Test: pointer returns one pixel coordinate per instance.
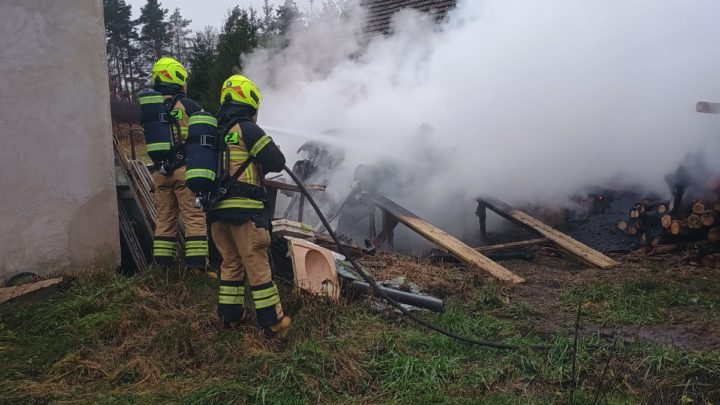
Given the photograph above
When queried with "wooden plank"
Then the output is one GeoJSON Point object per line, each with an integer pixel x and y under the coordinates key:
{"type": "Point", "coordinates": [8, 293]}
{"type": "Point", "coordinates": [580, 250]}
{"type": "Point", "coordinates": [127, 233]}
{"type": "Point", "coordinates": [511, 245]}
{"type": "Point", "coordinates": [444, 240]}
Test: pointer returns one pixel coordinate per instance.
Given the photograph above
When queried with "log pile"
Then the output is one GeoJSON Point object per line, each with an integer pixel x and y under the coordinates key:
{"type": "Point", "coordinates": [689, 219]}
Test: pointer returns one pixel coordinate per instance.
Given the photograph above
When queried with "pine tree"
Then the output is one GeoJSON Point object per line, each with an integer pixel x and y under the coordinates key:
{"type": "Point", "coordinates": [277, 23]}
{"type": "Point", "coordinates": [120, 33]}
{"type": "Point", "coordinates": [202, 57]}
{"type": "Point", "coordinates": [240, 35]}
{"type": "Point", "coordinates": [288, 16]}
{"type": "Point", "coordinates": [177, 26]}
{"type": "Point", "coordinates": [155, 37]}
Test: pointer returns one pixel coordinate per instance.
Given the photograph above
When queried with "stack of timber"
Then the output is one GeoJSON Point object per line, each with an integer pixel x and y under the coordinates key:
{"type": "Point", "coordinates": [690, 217]}
{"type": "Point", "coordinates": [138, 214]}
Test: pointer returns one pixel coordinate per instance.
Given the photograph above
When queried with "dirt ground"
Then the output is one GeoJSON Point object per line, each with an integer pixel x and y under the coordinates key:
{"type": "Point", "coordinates": [553, 273]}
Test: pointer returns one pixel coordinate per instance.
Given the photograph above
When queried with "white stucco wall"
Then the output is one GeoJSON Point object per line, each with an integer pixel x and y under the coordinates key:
{"type": "Point", "coordinates": [57, 193]}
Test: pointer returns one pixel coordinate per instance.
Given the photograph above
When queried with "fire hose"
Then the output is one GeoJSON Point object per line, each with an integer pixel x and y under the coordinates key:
{"type": "Point", "coordinates": [382, 294]}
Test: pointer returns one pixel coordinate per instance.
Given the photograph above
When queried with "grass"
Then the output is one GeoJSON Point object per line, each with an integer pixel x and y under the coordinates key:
{"type": "Point", "coordinates": [634, 302]}
{"type": "Point", "coordinates": [154, 339]}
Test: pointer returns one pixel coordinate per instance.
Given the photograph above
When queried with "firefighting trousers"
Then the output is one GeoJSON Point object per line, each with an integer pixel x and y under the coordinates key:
{"type": "Point", "coordinates": [174, 200]}
{"type": "Point", "coordinates": [244, 252]}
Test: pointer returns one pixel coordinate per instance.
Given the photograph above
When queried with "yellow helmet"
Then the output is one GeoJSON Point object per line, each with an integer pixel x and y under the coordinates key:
{"type": "Point", "coordinates": [168, 70]}
{"type": "Point", "coordinates": [241, 90]}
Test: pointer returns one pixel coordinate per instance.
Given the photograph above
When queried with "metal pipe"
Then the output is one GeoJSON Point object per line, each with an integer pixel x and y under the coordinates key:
{"type": "Point", "coordinates": [403, 297]}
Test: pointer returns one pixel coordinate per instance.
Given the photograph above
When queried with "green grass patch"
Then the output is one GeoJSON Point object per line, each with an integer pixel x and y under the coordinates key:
{"type": "Point", "coordinates": [631, 303]}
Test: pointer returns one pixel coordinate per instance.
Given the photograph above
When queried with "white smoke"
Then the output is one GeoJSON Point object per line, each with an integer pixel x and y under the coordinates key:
{"type": "Point", "coordinates": [529, 100]}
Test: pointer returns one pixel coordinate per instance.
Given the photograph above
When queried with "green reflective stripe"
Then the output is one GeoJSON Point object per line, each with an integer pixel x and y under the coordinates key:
{"type": "Point", "coordinates": [250, 175]}
{"type": "Point", "coordinates": [198, 243]}
{"type": "Point", "coordinates": [259, 294]}
{"type": "Point", "coordinates": [203, 119]}
{"type": "Point", "coordinates": [204, 173]}
{"type": "Point", "coordinates": [239, 202]}
{"type": "Point", "coordinates": [151, 99]}
{"type": "Point", "coordinates": [260, 144]}
{"type": "Point", "coordinates": [197, 252]}
{"type": "Point", "coordinates": [259, 304]}
{"type": "Point", "coordinates": [239, 155]}
{"type": "Point", "coordinates": [164, 243]}
{"type": "Point", "coordinates": [184, 130]}
{"type": "Point", "coordinates": [231, 299]}
{"type": "Point", "coordinates": [154, 147]}
{"type": "Point", "coordinates": [163, 252]}
{"type": "Point", "coordinates": [232, 289]}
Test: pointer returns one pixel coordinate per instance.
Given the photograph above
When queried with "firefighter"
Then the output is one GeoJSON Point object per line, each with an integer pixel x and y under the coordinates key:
{"type": "Point", "coordinates": [239, 225]}
{"type": "Point", "coordinates": [171, 195]}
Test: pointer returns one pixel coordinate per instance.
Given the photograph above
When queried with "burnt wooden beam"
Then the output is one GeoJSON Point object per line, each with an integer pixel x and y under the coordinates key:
{"type": "Point", "coordinates": [481, 213]}
{"type": "Point", "coordinates": [387, 234]}
{"type": "Point", "coordinates": [576, 248]}
{"type": "Point", "coordinates": [444, 240]}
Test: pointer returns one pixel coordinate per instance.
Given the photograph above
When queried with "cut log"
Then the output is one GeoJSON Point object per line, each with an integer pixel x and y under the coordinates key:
{"type": "Point", "coordinates": [444, 240]}
{"type": "Point", "coordinates": [666, 221]}
{"type": "Point", "coordinates": [698, 207]}
{"type": "Point", "coordinates": [622, 225]}
{"type": "Point", "coordinates": [662, 208]}
{"type": "Point", "coordinates": [676, 227]}
{"type": "Point", "coordinates": [580, 250]}
{"type": "Point", "coordinates": [693, 222]}
{"type": "Point", "coordinates": [707, 218]}
{"type": "Point", "coordinates": [634, 213]}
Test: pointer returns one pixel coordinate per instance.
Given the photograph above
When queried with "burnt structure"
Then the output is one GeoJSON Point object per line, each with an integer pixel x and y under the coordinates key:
{"type": "Point", "coordinates": [380, 12]}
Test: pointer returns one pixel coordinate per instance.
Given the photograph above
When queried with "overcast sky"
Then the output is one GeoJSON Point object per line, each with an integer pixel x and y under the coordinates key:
{"type": "Point", "coordinates": [210, 12]}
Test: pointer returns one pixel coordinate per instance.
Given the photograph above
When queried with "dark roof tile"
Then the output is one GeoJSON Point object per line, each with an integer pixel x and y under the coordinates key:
{"type": "Point", "coordinates": [380, 12]}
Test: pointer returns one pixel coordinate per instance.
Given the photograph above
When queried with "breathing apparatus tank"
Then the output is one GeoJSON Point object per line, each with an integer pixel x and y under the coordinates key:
{"type": "Point", "coordinates": [156, 123]}
{"type": "Point", "coordinates": [203, 156]}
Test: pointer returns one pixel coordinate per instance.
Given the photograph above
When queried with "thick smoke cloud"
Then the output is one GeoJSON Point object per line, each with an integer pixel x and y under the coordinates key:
{"type": "Point", "coordinates": [522, 99]}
